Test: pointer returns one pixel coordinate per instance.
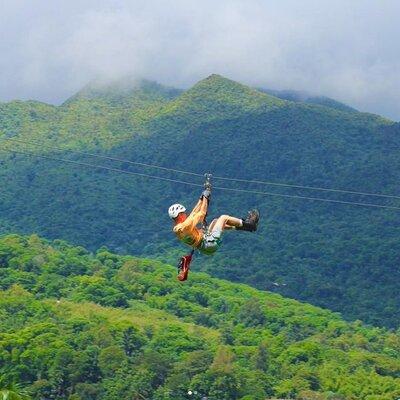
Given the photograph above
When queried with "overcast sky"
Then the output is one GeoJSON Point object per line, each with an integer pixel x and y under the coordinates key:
{"type": "Point", "coordinates": [348, 50]}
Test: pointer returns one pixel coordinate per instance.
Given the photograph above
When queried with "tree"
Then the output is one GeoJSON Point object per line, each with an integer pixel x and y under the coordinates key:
{"type": "Point", "coordinates": [13, 391]}
{"type": "Point", "coordinates": [224, 379]}
{"type": "Point", "coordinates": [111, 359]}
{"type": "Point", "coordinates": [261, 357]}
{"type": "Point", "coordinates": [6, 394]}
{"type": "Point", "coordinates": [227, 335]}
{"type": "Point", "coordinates": [251, 313]}
{"type": "Point", "coordinates": [132, 341]}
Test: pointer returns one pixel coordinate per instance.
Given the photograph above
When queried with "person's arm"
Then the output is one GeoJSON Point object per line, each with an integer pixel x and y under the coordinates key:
{"type": "Point", "coordinates": [197, 207]}
{"type": "Point", "coordinates": [194, 217]}
{"type": "Point", "coordinates": [202, 212]}
{"type": "Point", "coordinates": [199, 211]}
{"type": "Point", "coordinates": [204, 205]}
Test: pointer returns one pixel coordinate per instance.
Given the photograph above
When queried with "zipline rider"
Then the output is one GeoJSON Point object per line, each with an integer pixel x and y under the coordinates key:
{"type": "Point", "coordinates": [206, 240]}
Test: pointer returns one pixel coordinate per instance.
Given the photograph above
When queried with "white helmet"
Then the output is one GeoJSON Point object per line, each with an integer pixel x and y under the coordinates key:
{"type": "Point", "coordinates": [175, 210]}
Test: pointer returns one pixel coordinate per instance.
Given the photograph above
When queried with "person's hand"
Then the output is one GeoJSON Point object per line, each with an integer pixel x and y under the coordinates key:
{"type": "Point", "coordinates": [206, 193]}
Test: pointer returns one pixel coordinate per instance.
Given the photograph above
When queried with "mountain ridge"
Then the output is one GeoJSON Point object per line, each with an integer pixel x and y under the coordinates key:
{"type": "Point", "coordinates": [305, 97]}
{"type": "Point", "coordinates": [126, 92]}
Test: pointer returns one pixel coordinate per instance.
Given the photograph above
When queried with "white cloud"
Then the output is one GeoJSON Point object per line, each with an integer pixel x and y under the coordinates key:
{"type": "Point", "coordinates": [346, 50]}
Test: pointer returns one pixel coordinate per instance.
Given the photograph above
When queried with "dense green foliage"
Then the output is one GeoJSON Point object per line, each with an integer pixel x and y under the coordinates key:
{"type": "Point", "coordinates": [341, 257]}
{"type": "Point", "coordinates": [76, 325]}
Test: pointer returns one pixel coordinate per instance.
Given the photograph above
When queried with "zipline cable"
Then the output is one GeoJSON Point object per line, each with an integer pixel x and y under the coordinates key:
{"type": "Point", "coordinates": [196, 184]}
{"type": "Point", "coordinates": [38, 143]}
{"type": "Point", "coordinates": [99, 167]}
{"type": "Point", "coordinates": [354, 203]}
{"type": "Point", "coordinates": [390, 196]}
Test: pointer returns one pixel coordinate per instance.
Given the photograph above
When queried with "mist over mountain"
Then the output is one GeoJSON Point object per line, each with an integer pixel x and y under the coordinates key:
{"type": "Point", "coordinates": [343, 50]}
{"type": "Point", "coordinates": [126, 92]}
{"type": "Point", "coordinates": [298, 96]}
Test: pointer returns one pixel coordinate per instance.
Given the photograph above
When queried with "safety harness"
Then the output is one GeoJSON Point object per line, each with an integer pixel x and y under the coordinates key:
{"type": "Point", "coordinates": [184, 262]}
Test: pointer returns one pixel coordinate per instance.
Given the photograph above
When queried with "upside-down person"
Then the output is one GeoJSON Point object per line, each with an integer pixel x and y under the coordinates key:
{"type": "Point", "coordinates": [186, 228]}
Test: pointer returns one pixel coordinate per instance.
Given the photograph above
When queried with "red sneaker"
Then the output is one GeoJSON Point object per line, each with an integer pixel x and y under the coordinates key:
{"type": "Point", "coordinates": [184, 266]}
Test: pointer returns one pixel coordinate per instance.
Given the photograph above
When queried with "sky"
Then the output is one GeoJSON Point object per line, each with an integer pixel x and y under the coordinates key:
{"type": "Point", "coordinates": [345, 49]}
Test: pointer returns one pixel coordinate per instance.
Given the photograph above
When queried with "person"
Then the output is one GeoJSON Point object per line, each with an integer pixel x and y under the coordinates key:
{"type": "Point", "coordinates": [207, 241]}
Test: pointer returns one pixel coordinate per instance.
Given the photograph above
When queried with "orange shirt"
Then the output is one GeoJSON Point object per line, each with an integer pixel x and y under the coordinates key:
{"type": "Point", "coordinates": [188, 232]}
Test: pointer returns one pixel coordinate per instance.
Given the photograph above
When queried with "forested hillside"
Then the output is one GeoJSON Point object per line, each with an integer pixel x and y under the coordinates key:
{"type": "Point", "coordinates": [76, 325]}
{"type": "Point", "coordinates": [342, 257]}
{"type": "Point", "coordinates": [304, 97]}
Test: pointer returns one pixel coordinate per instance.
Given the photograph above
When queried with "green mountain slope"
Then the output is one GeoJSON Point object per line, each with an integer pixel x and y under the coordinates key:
{"type": "Point", "coordinates": [298, 96]}
{"type": "Point", "coordinates": [340, 257]}
{"type": "Point", "coordinates": [82, 326]}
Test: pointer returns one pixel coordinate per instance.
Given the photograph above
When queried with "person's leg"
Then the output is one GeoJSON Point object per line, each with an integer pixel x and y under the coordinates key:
{"type": "Point", "coordinates": [211, 226]}
{"type": "Point", "coordinates": [226, 222]}
{"type": "Point", "coordinates": [229, 227]}
{"type": "Point", "coordinates": [212, 237]}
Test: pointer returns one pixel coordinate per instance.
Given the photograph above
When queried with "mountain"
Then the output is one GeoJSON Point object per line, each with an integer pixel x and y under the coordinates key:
{"type": "Point", "coordinates": [304, 97]}
{"type": "Point", "coordinates": [126, 92]}
{"type": "Point", "coordinates": [102, 326]}
{"type": "Point", "coordinates": [340, 257]}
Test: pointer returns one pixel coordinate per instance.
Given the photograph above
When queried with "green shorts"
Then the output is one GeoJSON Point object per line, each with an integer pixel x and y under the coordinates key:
{"type": "Point", "coordinates": [211, 242]}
